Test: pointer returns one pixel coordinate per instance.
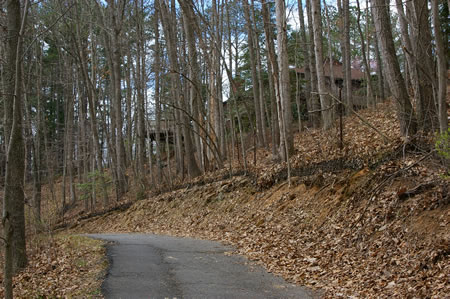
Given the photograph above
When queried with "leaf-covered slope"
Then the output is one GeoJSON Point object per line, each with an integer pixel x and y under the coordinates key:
{"type": "Point", "coordinates": [344, 225]}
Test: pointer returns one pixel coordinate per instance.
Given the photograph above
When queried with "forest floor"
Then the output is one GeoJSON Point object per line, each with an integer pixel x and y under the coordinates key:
{"type": "Point", "coordinates": [371, 220]}
{"type": "Point", "coordinates": [61, 266]}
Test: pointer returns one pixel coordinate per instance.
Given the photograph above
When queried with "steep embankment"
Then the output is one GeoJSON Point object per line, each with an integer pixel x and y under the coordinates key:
{"type": "Point", "coordinates": [370, 221]}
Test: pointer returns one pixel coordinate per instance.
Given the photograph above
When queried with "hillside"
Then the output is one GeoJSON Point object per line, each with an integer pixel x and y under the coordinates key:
{"type": "Point", "coordinates": [372, 220]}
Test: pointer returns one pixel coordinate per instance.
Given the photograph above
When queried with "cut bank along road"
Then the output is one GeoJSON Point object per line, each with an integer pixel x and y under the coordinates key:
{"type": "Point", "coordinates": [153, 266]}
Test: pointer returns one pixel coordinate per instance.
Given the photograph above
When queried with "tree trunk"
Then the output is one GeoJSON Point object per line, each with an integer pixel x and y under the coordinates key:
{"type": "Point", "coordinates": [380, 73]}
{"type": "Point", "coordinates": [194, 72]}
{"type": "Point", "coordinates": [441, 46]}
{"type": "Point", "coordinates": [255, 84]}
{"type": "Point", "coordinates": [169, 33]}
{"type": "Point", "coordinates": [285, 110]}
{"type": "Point", "coordinates": [405, 113]}
{"type": "Point", "coordinates": [325, 102]}
{"type": "Point", "coordinates": [116, 11]}
{"type": "Point", "coordinates": [259, 75]}
{"type": "Point", "coordinates": [347, 54]}
{"type": "Point", "coordinates": [13, 201]}
{"type": "Point", "coordinates": [330, 49]}
{"type": "Point", "coordinates": [272, 70]}
{"type": "Point", "coordinates": [140, 90]}
{"type": "Point", "coordinates": [306, 57]}
{"type": "Point", "coordinates": [92, 98]}
{"type": "Point", "coordinates": [314, 98]}
{"type": "Point", "coordinates": [370, 99]}
{"type": "Point", "coordinates": [421, 45]}
{"type": "Point", "coordinates": [157, 68]}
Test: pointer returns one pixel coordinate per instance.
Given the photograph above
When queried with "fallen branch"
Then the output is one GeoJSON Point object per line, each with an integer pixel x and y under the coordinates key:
{"type": "Point", "coordinates": [416, 190]}
{"type": "Point", "coordinates": [385, 181]}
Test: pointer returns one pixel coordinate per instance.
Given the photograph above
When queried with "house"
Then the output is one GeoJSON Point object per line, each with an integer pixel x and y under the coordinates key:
{"type": "Point", "coordinates": [358, 93]}
{"type": "Point", "coordinates": [338, 72]}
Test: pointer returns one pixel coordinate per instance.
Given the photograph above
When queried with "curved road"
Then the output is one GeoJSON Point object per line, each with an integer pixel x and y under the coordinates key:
{"type": "Point", "coordinates": [153, 266]}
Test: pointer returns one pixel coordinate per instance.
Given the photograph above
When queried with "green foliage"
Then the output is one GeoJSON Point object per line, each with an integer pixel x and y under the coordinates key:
{"type": "Point", "coordinates": [93, 183]}
{"type": "Point", "coordinates": [442, 144]}
{"type": "Point", "coordinates": [140, 195]}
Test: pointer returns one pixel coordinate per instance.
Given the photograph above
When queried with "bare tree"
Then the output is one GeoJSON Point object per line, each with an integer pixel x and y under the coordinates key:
{"type": "Point", "coordinates": [370, 95]}
{"type": "Point", "coordinates": [255, 83]}
{"type": "Point", "coordinates": [347, 53]}
{"type": "Point", "coordinates": [284, 94]}
{"type": "Point", "coordinates": [441, 68]}
{"type": "Point", "coordinates": [408, 124]}
{"type": "Point", "coordinates": [273, 75]}
{"type": "Point", "coordinates": [169, 34]}
{"type": "Point", "coordinates": [325, 101]}
{"type": "Point", "coordinates": [13, 218]}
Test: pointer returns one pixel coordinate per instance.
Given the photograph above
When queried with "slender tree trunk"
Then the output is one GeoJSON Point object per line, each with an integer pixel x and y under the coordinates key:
{"type": "Point", "coordinates": [306, 57]}
{"type": "Point", "coordinates": [157, 67]}
{"type": "Point", "coordinates": [285, 112]}
{"type": "Point", "coordinates": [13, 218]}
{"type": "Point", "coordinates": [116, 13]}
{"type": "Point", "coordinates": [92, 98]}
{"type": "Point", "coordinates": [140, 90]}
{"type": "Point", "coordinates": [422, 48]}
{"type": "Point", "coordinates": [405, 113]}
{"type": "Point", "coordinates": [380, 73]}
{"type": "Point", "coordinates": [330, 48]}
{"type": "Point", "coordinates": [259, 75]}
{"type": "Point", "coordinates": [325, 102]}
{"type": "Point", "coordinates": [194, 72]}
{"type": "Point", "coordinates": [130, 91]}
{"type": "Point", "coordinates": [441, 46]}
{"type": "Point", "coordinates": [272, 70]}
{"type": "Point", "coordinates": [255, 84]}
{"type": "Point", "coordinates": [168, 26]}
{"type": "Point", "coordinates": [370, 99]}
{"type": "Point", "coordinates": [410, 64]}
{"type": "Point", "coordinates": [37, 148]}
{"type": "Point", "coordinates": [314, 98]}
{"type": "Point", "coordinates": [347, 54]}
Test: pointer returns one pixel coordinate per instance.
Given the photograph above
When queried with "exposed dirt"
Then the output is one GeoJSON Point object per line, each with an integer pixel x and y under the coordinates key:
{"type": "Point", "coordinates": [356, 222]}
{"type": "Point", "coordinates": [370, 220]}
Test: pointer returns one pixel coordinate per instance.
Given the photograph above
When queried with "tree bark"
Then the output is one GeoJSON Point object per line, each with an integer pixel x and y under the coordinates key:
{"type": "Point", "coordinates": [347, 54]}
{"type": "Point", "coordinates": [13, 218]}
{"type": "Point", "coordinates": [405, 113]}
{"type": "Point", "coordinates": [116, 14]}
{"type": "Point", "coordinates": [370, 99]}
{"type": "Point", "coordinates": [325, 102]}
{"type": "Point", "coordinates": [422, 48]}
{"type": "Point", "coordinates": [255, 84]}
{"type": "Point", "coordinates": [285, 110]}
{"type": "Point", "coordinates": [273, 76]}
{"type": "Point", "coordinates": [314, 98]}
{"type": "Point", "coordinates": [306, 57]}
{"type": "Point", "coordinates": [157, 68]}
{"type": "Point", "coordinates": [169, 33]}
{"type": "Point", "coordinates": [441, 46]}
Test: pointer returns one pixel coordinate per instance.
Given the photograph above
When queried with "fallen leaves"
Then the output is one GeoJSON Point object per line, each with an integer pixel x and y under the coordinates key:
{"type": "Point", "coordinates": [340, 227]}
{"type": "Point", "coordinates": [61, 267]}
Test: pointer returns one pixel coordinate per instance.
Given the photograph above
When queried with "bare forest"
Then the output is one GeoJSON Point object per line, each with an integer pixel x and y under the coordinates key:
{"type": "Point", "coordinates": [311, 135]}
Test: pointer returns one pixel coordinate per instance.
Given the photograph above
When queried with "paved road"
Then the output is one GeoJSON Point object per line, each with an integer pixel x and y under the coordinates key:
{"type": "Point", "coordinates": [152, 266]}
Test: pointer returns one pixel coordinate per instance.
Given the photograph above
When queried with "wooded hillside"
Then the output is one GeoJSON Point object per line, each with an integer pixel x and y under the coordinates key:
{"type": "Point", "coordinates": [108, 102]}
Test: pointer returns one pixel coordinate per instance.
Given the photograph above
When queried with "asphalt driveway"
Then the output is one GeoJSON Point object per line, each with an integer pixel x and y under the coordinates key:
{"type": "Point", "coordinates": [153, 266]}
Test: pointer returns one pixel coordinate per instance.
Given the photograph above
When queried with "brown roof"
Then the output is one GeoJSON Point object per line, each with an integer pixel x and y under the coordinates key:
{"type": "Point", "coordinates": [338, 71]}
